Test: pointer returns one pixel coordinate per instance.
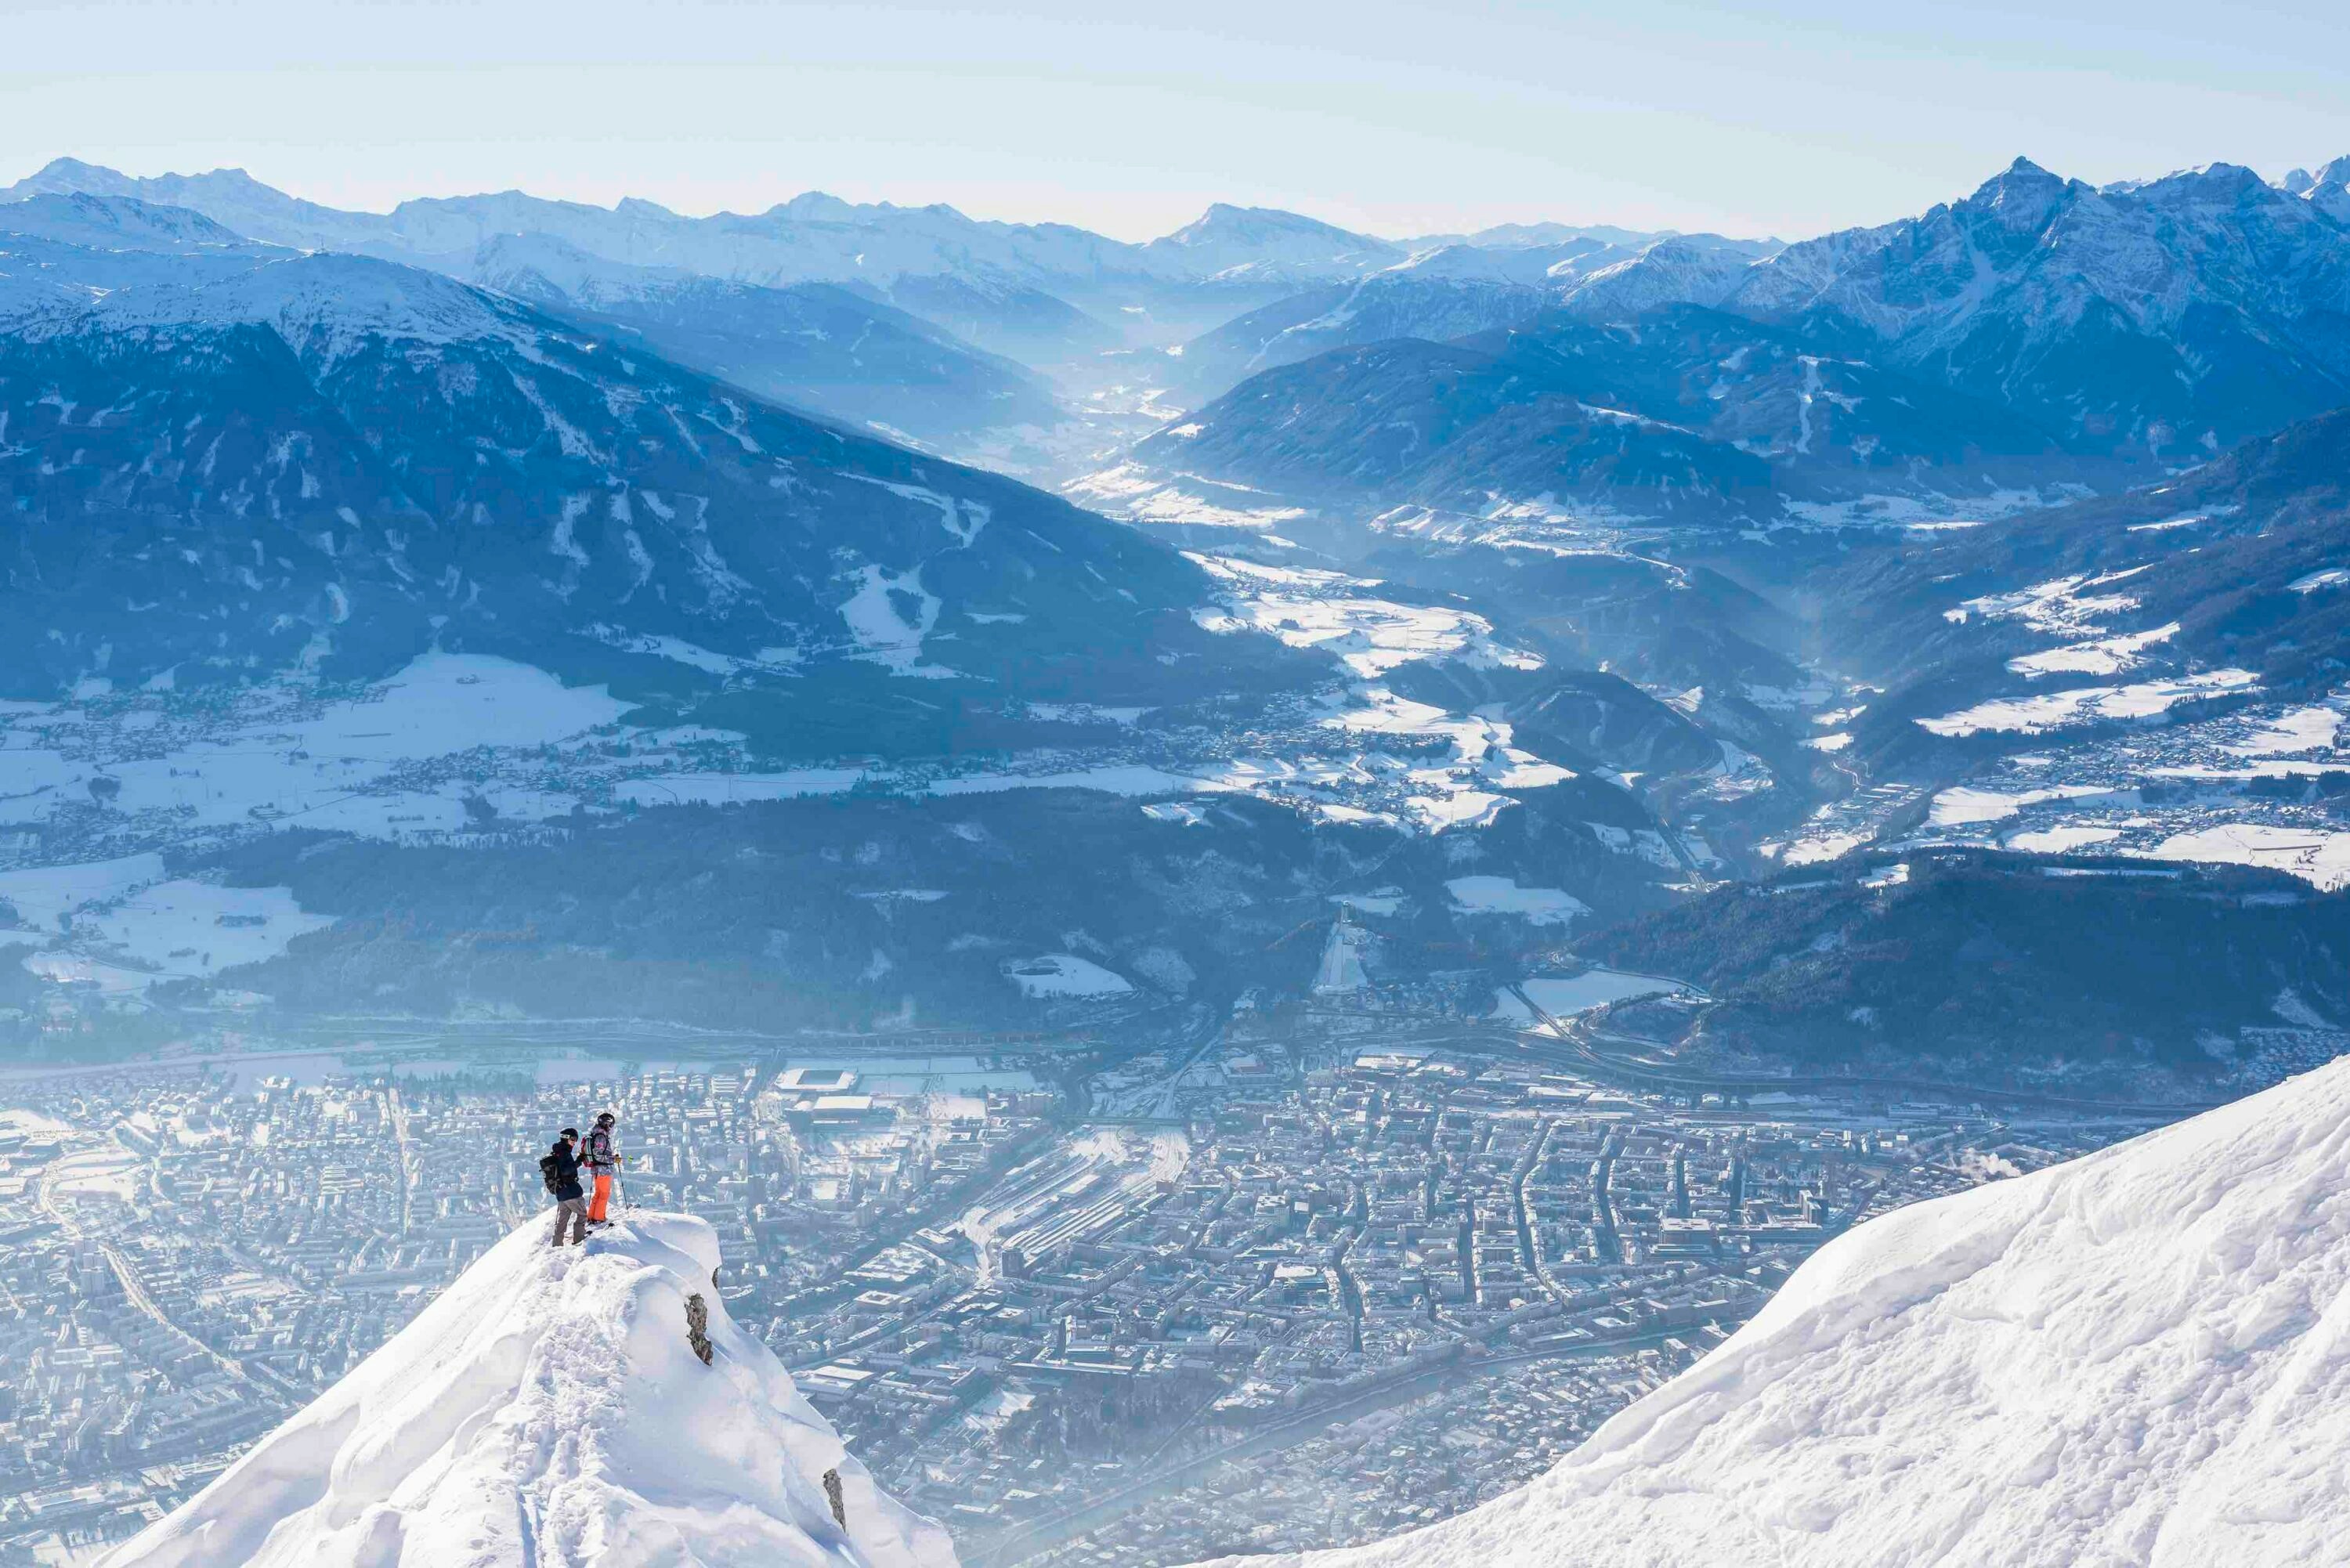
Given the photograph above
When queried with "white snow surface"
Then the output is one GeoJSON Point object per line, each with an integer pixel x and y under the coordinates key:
{"type": "Point", "coordinates": [547, 1410]}
{"type": "Point", "coordinates": [1064, 974]}
{"type": "Point", "coordinates": [1502, 896]}
{"type": "Point", "coordinates": [1307, 607]}
{"type": "Point", "coordinates": [2314, 854]}
{"type": "Point", "coordinates": [2138, 1358]}
{"type": "Point", "coordinates": [2145, 701]}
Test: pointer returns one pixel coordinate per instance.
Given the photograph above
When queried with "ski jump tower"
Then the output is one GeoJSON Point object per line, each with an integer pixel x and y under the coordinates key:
{"type": "Point", "coordinates": [1342, 972]}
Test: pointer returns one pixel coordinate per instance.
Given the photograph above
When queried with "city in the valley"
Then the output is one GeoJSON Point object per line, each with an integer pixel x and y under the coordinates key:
{"type": "Point", "coordinates": [1303, 1275]}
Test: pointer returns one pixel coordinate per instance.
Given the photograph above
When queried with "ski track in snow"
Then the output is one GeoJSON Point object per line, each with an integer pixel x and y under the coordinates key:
{"type": "Point", "coordinates": [546, 1409]}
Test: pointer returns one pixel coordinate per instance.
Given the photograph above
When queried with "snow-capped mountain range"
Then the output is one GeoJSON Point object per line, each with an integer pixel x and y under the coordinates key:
{"type": "Point", "coordinates": [819, 345]}
{"type": "Point", "coordinates": [1048, 295]}
{"type": "Point", "coordinates": [234, 462]}
{"type": "Point", "coordinates": [1685, 415]}
{"type": "Point", "coordinates": [2138, 1357]}
{"type": "Point", "coordinates": [2127, 329]}
{"type": "Point", "coordinates": [329, 555]}
{"type": "Point", "coordinates": [551, 1405]}
{"type": "Point", "coordinates": [341, 462]}
{"type": "Point", "coordinates": [813, 236]}
{"type": "Point", "coordinates": [2173, 318]}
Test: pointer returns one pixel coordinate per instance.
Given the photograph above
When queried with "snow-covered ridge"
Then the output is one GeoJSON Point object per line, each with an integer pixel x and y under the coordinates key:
{"type": "Point", "coordinates": [2141, 1357]}
{"type": "Point", "coordinates": [322, 305]}
{"type": "Point", "coordinates": [550, 1408]}
{"type": "Point", "coordinates": [813, 235]}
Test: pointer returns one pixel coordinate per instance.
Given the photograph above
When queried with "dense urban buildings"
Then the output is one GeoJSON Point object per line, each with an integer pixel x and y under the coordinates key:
{"type": "Point", "coordinates": [1324, 1276]}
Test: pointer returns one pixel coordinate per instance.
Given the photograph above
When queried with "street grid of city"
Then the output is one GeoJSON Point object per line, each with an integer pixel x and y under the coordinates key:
{"type": "Point", "coordinates": [1296, 1277]}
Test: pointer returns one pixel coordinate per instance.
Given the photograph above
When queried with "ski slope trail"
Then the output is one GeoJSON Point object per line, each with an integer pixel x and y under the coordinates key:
{"type": "Point", "coordinates": [549, 1411]}
{"type": "Point", "coordinates": [2139, 1358]}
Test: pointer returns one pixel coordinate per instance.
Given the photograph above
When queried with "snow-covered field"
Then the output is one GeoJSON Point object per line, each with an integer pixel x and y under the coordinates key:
{"type": "Point", "coordinates": [548, 1407]}
{"type": "Point", "coordinates": [1142, 494]}
{"type": "Point", "coordinates": [2061, 607]}
{"type": "Point", "coordinates": [1064, 975]}
{"type": "Point", "coordinates": [348, 763]}
{"type": "Point", "coordinates": [1564, 996]}
{"type": "Point", "coordinates": [2089, 704]}
{"type": "Point", "coordinates": [2317, 856]}
{"type": "Point", "coordinates": [177, 929]}
{"type": "Point", "coordinates": [2134, 1360]}
{"type": "Point", "coordinates": [2099, 656]}
{"type": "Point", "coordinates": [1963, 804]}
{"type": "Point", "coordinates": [1306, 607]}
{"type": "Point", "coordinates": [1365, 757]}
{"type": "Point", "coordinates": [1502, 896]}
{"type": "Point", "coordinates": [2244, 788]}
{"type": "Point", "coordinates": [122, 926]}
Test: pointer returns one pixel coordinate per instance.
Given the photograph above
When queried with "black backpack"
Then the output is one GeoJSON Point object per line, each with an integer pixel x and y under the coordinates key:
{"type": "Point", "coordinates": [548, 1168]}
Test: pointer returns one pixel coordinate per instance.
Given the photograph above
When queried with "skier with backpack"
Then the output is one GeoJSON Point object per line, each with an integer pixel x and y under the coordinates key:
{"type": "Point", "coordinates": [559, 1168]}
{"type": "Point", "coordinates": [603, 1163]}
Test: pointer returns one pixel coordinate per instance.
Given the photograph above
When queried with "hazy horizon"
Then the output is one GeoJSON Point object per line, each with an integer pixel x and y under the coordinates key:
{"type": "Point", "coordinates": [1391, 119]}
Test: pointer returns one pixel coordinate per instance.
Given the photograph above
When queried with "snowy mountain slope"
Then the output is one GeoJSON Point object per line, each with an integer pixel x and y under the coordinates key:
{"type": "Point", "coordinates": [814, 345]}
{"type": "Point", "coordinates": [62, 252]}
{"type": "Point", "coordinates": [1690, 269]}
{"type": "Point", "coordinates": [1505, 236]}
{"type": "Point", "coordinates": [2171, 318]}
{"type": "Point", "coordinates": [1001, 315]}
{"type": "Point", "coordinates": [2148, 673]}
{"type": "Point", "coordinates": [1048, 295]}
{"type": "Point", "coordinates": [2048, 334]}
{"type": "Point", "coordinates": [1460, 290]}
{"type": "Point", "coordinates": [1266, 244]}
{"type": "Point", "coordinates": [1990, 968]}
{"type": "Point", "coordinates": [230, 197]}
{"type": "Point", "coordinates": [548, 1408]}
{"type": "Point", "coordinates": [1683, 413]}
{"type": "Point", "coordinates": [811, 236]}
{"type": "Point", "coordinates": [2328, 190]}
{"type": "Point", "coordinates": [489, 615]}
{"type": "Point", "coordinates": [1533, 266]}
{"type": "Point", "coordinates": [1375, 309]}
{"type": "Point", "coordinates": [339, 462]}
{"type": "Point", "coordinates": [2234, 565]}
{"type": "Point", "coordinates": [1610, 280]}
{"type": "Point", "coordinates": [2139, 1358]}
{"type": "Point", "coordinates": [817, 346]}
{"type": "Point", "coordinates": [119, 222]}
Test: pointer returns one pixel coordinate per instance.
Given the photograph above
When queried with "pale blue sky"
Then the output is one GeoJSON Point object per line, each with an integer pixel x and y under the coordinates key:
{"type": "Point", "coordinates": [1399, 118]}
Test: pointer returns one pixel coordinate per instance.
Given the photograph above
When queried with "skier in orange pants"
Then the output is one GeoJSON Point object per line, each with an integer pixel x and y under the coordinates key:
{"type": "Point", "coordinates": [602, 1162]}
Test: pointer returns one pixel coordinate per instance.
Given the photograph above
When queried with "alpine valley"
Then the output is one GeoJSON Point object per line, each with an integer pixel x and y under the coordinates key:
{"type": "Point", "coordinates": [1211, 868]}
{"type": "Point", "coordinates": [395, 578]}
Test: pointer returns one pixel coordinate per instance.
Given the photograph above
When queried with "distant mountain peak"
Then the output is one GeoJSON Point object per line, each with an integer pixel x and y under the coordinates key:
{"type": "Point", "coordinates": [85, 217]}
{"type": "Point", "coordinates": [1225, 219]}
{"type": "Point", "coordinates": [816, 204]}
{"type": "Point", "coordinates": [323, 305]}
{"type": "Point", "coordinates": [2327, 189]}
{"type": "Point", "coordinates": [2022, 195]}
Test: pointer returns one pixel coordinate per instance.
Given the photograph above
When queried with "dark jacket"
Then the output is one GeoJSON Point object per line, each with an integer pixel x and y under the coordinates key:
{"type": "Point", "coordinates": [566, 1172]}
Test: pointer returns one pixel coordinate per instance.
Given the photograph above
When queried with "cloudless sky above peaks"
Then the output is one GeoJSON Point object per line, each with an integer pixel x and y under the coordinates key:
{"type": "Point", "coordinates": [1392, 116]}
